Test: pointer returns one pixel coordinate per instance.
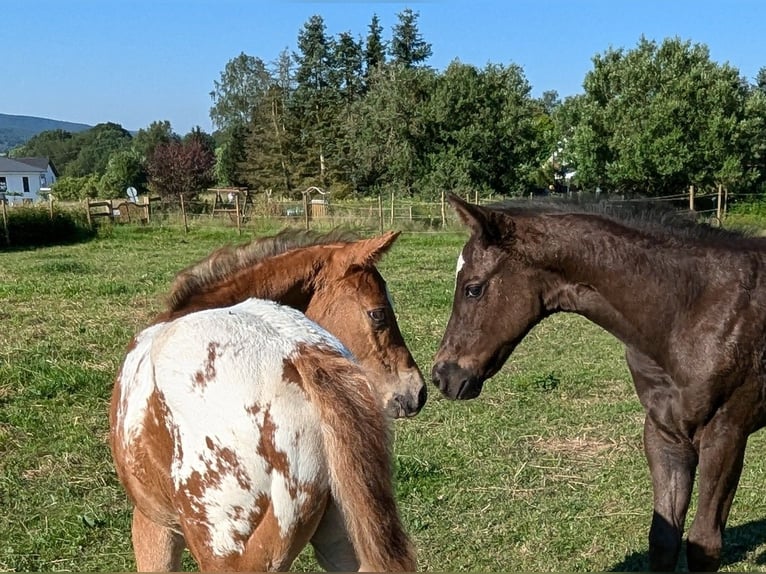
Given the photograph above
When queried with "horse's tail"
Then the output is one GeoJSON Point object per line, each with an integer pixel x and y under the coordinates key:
{"type": "Point", "coordinates": [357, 442]}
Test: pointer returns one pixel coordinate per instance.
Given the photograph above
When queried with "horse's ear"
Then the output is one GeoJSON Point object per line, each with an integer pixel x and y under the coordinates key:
{"type": "Point", "coordinates": [367, 252]}
{"type": "Point", "coordinates": [493, 227]}
{"type": "Point", "coordinates": [474, 216]}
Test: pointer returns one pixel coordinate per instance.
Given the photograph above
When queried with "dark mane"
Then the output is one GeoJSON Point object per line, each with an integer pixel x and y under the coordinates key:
{"type": "Point", "coordinates": [657, 220]}
{"type": "Point", "coordinates": [228, 260]}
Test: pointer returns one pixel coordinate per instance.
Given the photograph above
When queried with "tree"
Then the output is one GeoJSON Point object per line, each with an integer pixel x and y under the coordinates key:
{"type": "Point", "coordinates": [386, 131]}
{"type": "Point", "coordinates": [96, 146]}
{"type": "Point", "coordinates": [180, 169]}
{"type": "Point", "coordinates": [760, 79]}
{"type": "Point", "coordinates": [753, 131]}
{"type": "Point", "coordinates": [656, 119]}
{"type": "Point", "coordinates": [315, 102]}
{"type": "Point", "coordinates": [375, 48]}
{"type": "Point", "coordinates": [407, 45]}
{"type": "Point", "coordinates": [124, 169]}
{"type": "Point", "coordinates": [147, 139]}
{"type": "Point", "coordinates": [199, 135]}
{"type": "Point", "coordinates": [68, 188]}
{"type": "Point", "coordinates": [230, 157]}
{"type": "Point", "coordinates": [59, 146]}
{"type": "Point", "coordinates": [241, 86]}
{"type": "Point", "coordinates": [347, 71]}
{"type": "Point", "coordinates": [487, 128]}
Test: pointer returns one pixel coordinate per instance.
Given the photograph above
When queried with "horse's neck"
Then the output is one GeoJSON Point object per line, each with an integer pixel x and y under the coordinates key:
{"type": "Point", "coordinates": [621, 285]}
{"type": "Point", "coordinates": [286, 279]}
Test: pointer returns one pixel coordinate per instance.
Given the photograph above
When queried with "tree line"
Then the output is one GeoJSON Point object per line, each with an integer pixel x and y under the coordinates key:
{"type": "Point", "coordinates": [366, 115]}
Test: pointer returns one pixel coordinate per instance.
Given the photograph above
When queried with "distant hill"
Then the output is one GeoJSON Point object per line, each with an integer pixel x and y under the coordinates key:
{"type": "Point", "coordinates": [16, 130]}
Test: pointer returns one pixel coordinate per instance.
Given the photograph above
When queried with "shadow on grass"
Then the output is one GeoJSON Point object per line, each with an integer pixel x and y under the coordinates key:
{"type": "Point", "coordinates": [739, 542]}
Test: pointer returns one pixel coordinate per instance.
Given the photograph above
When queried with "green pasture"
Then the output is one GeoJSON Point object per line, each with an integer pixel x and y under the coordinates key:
{"type": "Point", "coordinates": [544, 472]}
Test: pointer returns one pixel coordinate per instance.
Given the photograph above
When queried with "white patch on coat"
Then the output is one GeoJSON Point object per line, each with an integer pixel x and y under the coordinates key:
{"type": "Point", "coordinates": [460, 263]}
{"type": "Point", "coordinates": [227, 410]}
{"type": "Point", "coordinates": [136, 384]}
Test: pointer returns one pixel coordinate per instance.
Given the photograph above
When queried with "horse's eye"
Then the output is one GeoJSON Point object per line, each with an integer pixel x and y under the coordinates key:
{"type": "Point", "coordinates": [474, 291]}
{"type": "Point", "coordinates": [378, 316]}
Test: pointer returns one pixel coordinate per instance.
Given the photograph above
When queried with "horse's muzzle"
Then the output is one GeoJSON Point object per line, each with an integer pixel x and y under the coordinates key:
{"type": "Point", "coordinates": [405, 406]}
{"type": "Point", "coordinates": [456, 382]}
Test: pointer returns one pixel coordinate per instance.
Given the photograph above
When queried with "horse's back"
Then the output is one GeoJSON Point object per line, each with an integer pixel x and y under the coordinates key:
{"type": "Point", "coordinates": [246, 442]}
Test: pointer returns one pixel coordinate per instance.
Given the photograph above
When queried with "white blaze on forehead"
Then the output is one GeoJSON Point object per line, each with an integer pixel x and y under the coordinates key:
{"type": "Point", "coordinates": [460, 263]}
{"type": "Point", "coordinates": [220, 373]}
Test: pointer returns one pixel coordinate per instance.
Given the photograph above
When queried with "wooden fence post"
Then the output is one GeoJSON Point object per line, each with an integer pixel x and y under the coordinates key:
{"type": "Point", "coordinates": [183, 214]}
{"type": "Point", "coordinates": [5, 221]}
{"type": "Point", "coordinates": [236, 208]}
{"type": "Point", "coordinates": [392, 209]}
{"type": "Point", "coordinates": [444, 212]}
{"type": "Point", "coordinates": [719, 203]}
{"type": "Point", "coordinates": [306, 207]}
{"type": "Point", "coordinates": [380, 212]}
{"type": "Point", "coordinates": [50, 206]}
{"type": "Point", "coordinates": [691, 198]}
{"type": "Point", "coordinates": [87, 212]}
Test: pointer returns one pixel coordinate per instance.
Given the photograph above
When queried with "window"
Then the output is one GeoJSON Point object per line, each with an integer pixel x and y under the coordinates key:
{"type": "Point", "coordinates": [43, 180]}
{"type": "Point", "coordinates": [25, 181]}
{"type": "Point", "coordinates": [3, 184]}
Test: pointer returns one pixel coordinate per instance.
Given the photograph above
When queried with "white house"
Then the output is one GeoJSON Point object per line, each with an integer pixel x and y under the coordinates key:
{"type": "Point", "coordinates": [26, 179]}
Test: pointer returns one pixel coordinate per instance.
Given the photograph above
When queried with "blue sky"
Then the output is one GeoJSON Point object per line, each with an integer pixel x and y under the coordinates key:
{"type": "Point", "coordinates": [136, 61]}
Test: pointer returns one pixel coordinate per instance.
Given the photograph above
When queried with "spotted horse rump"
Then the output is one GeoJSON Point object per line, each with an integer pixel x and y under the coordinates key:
{"type": "Point", "coordinates": [247, 432]}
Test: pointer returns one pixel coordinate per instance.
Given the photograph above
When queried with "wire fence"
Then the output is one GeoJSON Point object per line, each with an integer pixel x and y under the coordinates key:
{"type": "Point", "coordinates": [243, 209]}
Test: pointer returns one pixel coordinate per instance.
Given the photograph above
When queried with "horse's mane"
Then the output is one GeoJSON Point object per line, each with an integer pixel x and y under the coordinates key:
{"type": "Point", "coordinates": [228, 260]}
{"type": "Point", "coordinates": [650, 218]}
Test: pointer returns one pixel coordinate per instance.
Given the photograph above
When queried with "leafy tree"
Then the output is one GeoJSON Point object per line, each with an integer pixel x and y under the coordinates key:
{"type": "Point", "coordinates": [57, 145]}
{"type": "Point", "coordinates": [68, 188]}
{"type": "Point", "coordinates": [96, 146]}
{"type": "Point", "coordinates": [753, 131]}
{"type": "Point", "coordinates": [488, 120]}
{"type": "Point", "coordinates": [180, 169]}
{"type": "Point", "coordinates": [407, 45]}
{"type": "Point", "coordinates": [147, 139]}
{"type": "Point", "coordinates": [197, 134]}
{"type": "Point", "coordinates": [124, 169]}
{"type": "Point", "coordinates": [386, 131]}
{"type": "Point", "coordinates": [656, 119]}
{"type": "Point", "coordinates": [242, 84]}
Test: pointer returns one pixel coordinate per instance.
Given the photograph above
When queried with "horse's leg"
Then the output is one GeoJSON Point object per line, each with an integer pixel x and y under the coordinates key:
{"type": "Point", "coordinates": [722, 452]}
{"type": "Point", "coordinates": [672, 461]}
{"type": "Point", "coordinates": [332, 546]}
{"type": "Point", "coordinates": [672, 464]}
{"type": "Point", "coordinates": [157, 548]}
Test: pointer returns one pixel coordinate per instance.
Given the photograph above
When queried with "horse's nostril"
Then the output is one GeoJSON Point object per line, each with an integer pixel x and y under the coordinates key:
{"type": "Point", "coordinates": [422, 396]}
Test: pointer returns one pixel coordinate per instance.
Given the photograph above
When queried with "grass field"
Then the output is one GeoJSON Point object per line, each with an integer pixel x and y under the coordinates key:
{"type": "Point", "coordinates": [544, 472]}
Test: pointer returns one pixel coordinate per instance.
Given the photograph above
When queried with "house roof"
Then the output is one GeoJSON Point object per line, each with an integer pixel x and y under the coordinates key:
{"type": "Point", "coordinates": [22, 164]}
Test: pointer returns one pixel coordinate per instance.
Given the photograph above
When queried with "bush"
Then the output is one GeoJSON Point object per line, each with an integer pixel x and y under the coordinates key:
{"type": "Point", "coordinates": [70, 188]}
{"type": "Point", "coordinates": [32, 225]}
